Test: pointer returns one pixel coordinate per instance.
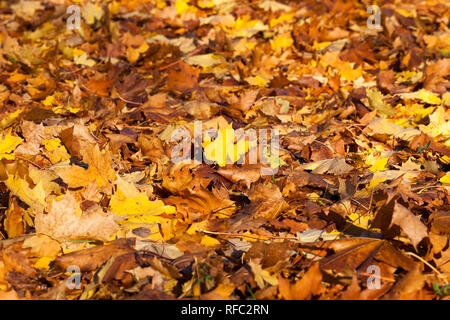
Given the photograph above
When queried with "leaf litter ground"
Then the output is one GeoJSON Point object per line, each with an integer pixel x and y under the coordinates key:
{"type": "Point", "coordinates": [93, 207]}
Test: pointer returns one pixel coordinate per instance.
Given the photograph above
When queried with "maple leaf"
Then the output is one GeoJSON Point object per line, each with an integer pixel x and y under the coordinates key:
{"type": "Point", "coordinates": [99, 169]}
{"type": "Point", "coordinates": [262, 276]}
{"type": "Point", "coordinates": [65, 220]}
{"type": "Point", "coordinates": [224, 149]}
{"type": "Point", "coordinates": [127, 200]}
{"type": "Point", "coordinates": [8, 143]}
{"type": "Point", "coordinates": [33, 197]}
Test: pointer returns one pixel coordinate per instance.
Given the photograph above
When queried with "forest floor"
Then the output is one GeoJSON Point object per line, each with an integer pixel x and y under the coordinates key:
{"type": "Point", "coordinates": [222, 149]}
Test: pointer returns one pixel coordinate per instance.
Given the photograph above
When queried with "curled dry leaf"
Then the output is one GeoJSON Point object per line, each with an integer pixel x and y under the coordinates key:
{"type": "Point", "coordinates": [394, 215]}
{"type": "Point", "coordinates": [92, 258]}
{"type": "Point", "coordinates": [65, 220]}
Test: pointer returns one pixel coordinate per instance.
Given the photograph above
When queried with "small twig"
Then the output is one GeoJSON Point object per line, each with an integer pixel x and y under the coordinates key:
{"type": "Point", "coordinates": [178, 61]}
{"type": "Point", "coordinates": [247, 235]}
{"type": "Point", "coordinates": [431, 186]}
{"type": "Point", "coordinates": [376, 276]}
{"type": "Point", "coordinates": [33, 163]}
{"type": "Point", "coordinates": [360, 204]}
{"type": "Point", "coordinates": [440, 275]}
{"type": "Point", "coordinates": [127, 101]}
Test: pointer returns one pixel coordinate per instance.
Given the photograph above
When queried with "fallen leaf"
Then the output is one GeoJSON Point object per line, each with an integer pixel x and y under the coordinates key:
{"type": "Point", "coordinates": [65, 220]}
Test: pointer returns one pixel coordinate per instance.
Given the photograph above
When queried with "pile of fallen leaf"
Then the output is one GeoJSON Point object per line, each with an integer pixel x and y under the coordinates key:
{"type": "Point", "coordinates": [89, 195]}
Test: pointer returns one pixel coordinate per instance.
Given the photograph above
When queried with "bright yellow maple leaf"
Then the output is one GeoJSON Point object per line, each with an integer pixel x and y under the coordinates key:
{"type": "Point", "coordinates": [138, 211]}
{"type": "Point", "coordinates": [43, 263]}
{"type": "Point", "coordinates": [281, 41]}
{"type": "Point", "coordinates": [134, 53]}
{"type": "Point", "coordinates": [428, 97]}
{"type": "Point", "coordinates": [56, 152]}
{"type": "Point", "coordinates": [182, 6]}
{"type": "Point", "coordinates": [8, 143]}
{"type": "Point", "coordinates": [224, 148]}
{"type": "Point", "coordinates": [99, 169]}
{"type": "Point", "coordinates": [445, 179]}
{"type": "Point", "coordinates": [257, 81]}
{"type": "Point", "coordinates": [33, 197]}
{"type": "Point", "coordinates": [129, 201]}
{"type": "Point", "coordinates": [245, 27]}
{"type": "Point", "coordinates": [379, 165]}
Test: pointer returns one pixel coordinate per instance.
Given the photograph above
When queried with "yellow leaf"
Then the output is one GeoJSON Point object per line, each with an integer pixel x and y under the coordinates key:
{"type": "Point", "coordinates": [284, 17]}
{"type": "Point", "coordinates": [9, 119]}
{"type": "Point", "coordinates": [8, 143]}
{"type": "Point", "coordinates": [182, 6]}
{"type": "Point", "coordinates": [428, 97]}
{"type": "Point", "coordinates": [205, 60]}
{"type": "Point", "coordinates": [281, 41]}
{"type": "Point", "coordinates": [245, 27]}
{"type": "Point", "coordinates": [49, 101]}
{"type": "Point", "coordinates": [224, 149]}
{"type": "Point", "coordinates": [84, 60]}
{"type": "Point", "coordinates": [43, 263]}
{"type": "Point", "coordinates": [257, 81]}
{"type": "Point", "coordinates": [134, 53]}
{"type": "Point", "coordinates": [379, 165]}
{"type": "Point", "coordinates": [359, 220]}
{"type": "Point", "coordinates": [127, 200]}
{"type": "Point", "coordinates": [439, 125]}
{"type": "Point", "coordinates": [92, 12]}
{"type": "Point", "coordinates": [56, 151]}
{"type": "Point", "coordinates": [197, 227]}
{"type": "Point", "coordinates": [445, 179]}
{"type": "Point", "coordinates": [209, 241]}
{"type": "Point", "coordinates": [375, 98]}
{"type": "Point", "coordinates": [99, 169]}
{"type": "Point", "coordinates": [261, 275]}
{"type": "Point", "coordinates": [35, 197]}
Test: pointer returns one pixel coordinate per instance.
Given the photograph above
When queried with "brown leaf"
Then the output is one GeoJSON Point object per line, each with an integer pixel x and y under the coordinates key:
{"type": "Point", "coordinates": [183, 78]}
{"type": "Point", "coordinates": [305, 288]}
{"type": "Point", "coordinates": [266, 201]}
{"type": "Point", "coordinates": [355, 253]}
{"type": "Point", "coordinates": [92, 258]}
{"type": "Point", "coordinates": [409, 287]}
{"type": "Point", "coordinates": [353, 291]}
{"type": "Point", "coordinates": [393, 215]}
{"type": "Point", "coordinates": [440, 222]}
{"type": "Point", "coordinates": [271, 255]}
{"type": "Point", "coordinates": [246, 174]}
{"type": "Point", "coordinates": [15, 260]}
{"type": "Point", "coordinates": [13, 223]}
{"type": "Point", "coordinates": [151, 147]}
